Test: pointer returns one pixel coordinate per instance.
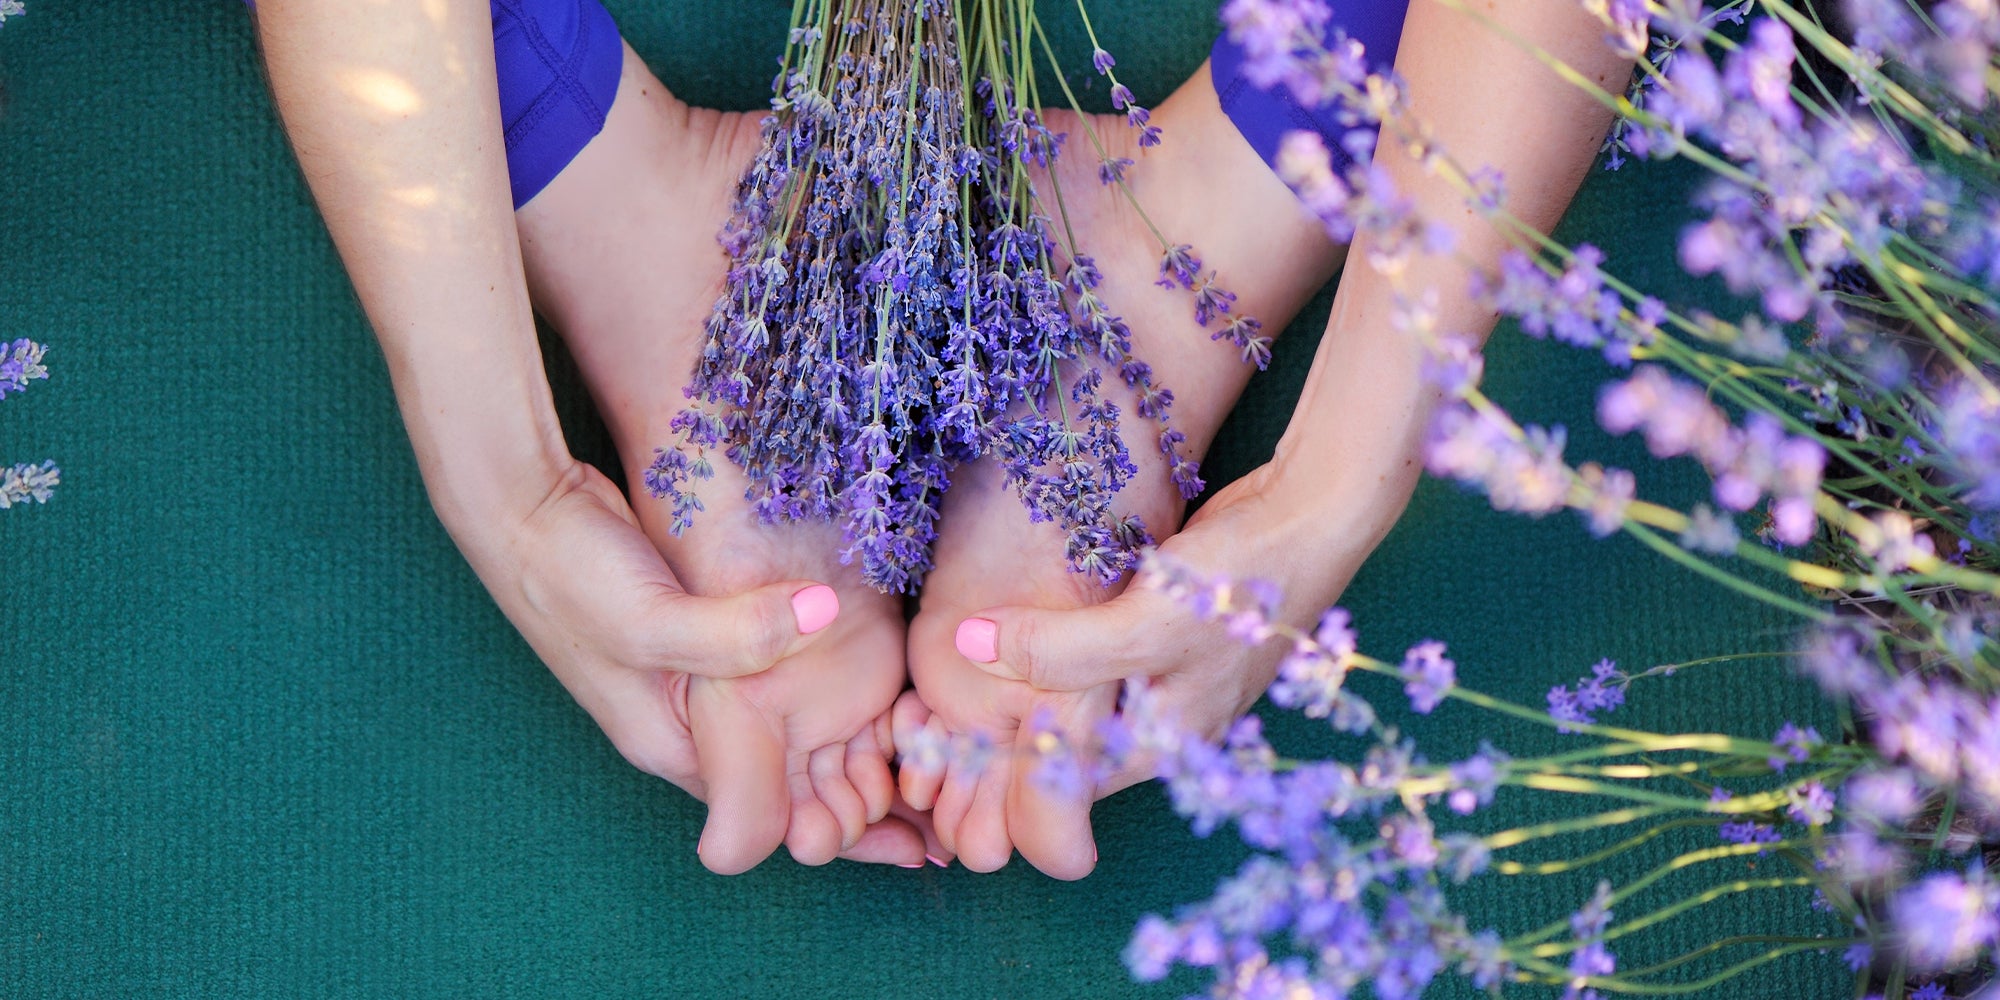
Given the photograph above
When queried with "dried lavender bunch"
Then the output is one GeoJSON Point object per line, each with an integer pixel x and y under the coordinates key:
{"type": "Point", "coordinates": [897, 301]}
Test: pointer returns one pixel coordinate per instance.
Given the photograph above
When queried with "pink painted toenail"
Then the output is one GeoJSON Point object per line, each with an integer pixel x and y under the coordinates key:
{"type": "Point", "coordinates": [917, 865]}
{"type": "Point", "coordinates": [940, 862]}
{"type": "Point", "coordinates": [979, 640]}
{"type": "Point", "coordinates": [815, 608]}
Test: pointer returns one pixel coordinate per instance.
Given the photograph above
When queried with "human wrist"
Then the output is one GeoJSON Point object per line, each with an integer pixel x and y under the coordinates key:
{"type": "Point", "coordinates": [487, 462]}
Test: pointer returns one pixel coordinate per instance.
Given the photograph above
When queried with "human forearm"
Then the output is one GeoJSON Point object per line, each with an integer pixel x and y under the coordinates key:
{"type": "Point", "coordinates": [393, 114]}
{"type": "Point", "coordinates": [1352, 453]}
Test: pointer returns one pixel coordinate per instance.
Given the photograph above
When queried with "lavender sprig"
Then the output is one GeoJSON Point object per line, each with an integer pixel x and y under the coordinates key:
{"type": "Point", "coordinates": [21, 363]}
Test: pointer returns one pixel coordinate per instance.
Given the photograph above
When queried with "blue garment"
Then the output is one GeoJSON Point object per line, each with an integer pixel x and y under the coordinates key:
{"type": "Point", "coordinates": [1264, 116]}
{"type": "Point", "coordinates": [558, 63]}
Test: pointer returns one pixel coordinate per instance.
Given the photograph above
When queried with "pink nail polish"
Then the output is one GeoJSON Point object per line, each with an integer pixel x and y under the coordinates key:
{"type": "Point", "coordinates": [979, 640]}
{"type": "Point", "coordinates": [917, 865]}
{"type": "Point", "coordinates": [815, 608]}
{"type": "Point", "coordinates": [940, 862]}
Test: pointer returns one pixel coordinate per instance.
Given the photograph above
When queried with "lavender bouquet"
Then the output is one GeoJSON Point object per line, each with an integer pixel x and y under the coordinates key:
{"type": "Point", "coordinates": [1849, 419]}
{"type": "Point", "coordinates": [905, 294]}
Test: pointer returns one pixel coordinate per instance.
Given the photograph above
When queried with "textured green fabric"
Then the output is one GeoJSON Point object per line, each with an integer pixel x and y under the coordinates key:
{"type": "Point", "coordinates": [265, 735]}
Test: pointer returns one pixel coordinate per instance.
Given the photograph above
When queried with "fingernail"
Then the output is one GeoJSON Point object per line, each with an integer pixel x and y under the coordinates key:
{"type": "Point", "coordinates": [917, 865]}
{"type": "Point", "coordinates": [815, 608]}
{"type": "Point", "coordinates": [979, 640]}
{"type": "Point", "coordinates": [934, 859]}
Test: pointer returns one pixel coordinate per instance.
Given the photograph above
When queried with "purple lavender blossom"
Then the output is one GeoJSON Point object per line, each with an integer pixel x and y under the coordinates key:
{"type": "Point", "coordinates": [1273, 33]}
{"type": "Point", "coordinates": [1970, 430]}
{"type": "Point", "coordinates": [1811, 804]}
{"type": "Point", "coordinates": [1573, 307]}
{"type": "Point", "coordinates": [1841, 658]}
{"type": "Point", "coordinates": [26, 482]}
{"type": "Point", "coordinates": [1747, 832]}
{"type": "Point", "coordinates": [1524, 474]}
{"type": "Point", "coordinates": [1602, 690]}
{"type": "Point", "coordinates": [1454, 365]}
{"type": "Point", "coordinates": [1896, 544]}
{"type": "Point", "coordinates": [1797, 744]}
{"type": "Point", "coordinates": [1858, 956]}
{"type": "Point", "coordinates": [1887, 797]}
{"type": "Point", "coordinates": [1477, 779]}
{"type": "Point", "coordinates": [1591, 957]}
{"type": "Point", "coordinates": [21, 363]}
{"type": "Point", "coordinates": [1946, 919]}
{"type": "Point", "coordinates": [1746, 463]}
{"type": "Point", "coordinates": [1428, 675]}
{"type": "Point", "coordinates": [1607, 493]}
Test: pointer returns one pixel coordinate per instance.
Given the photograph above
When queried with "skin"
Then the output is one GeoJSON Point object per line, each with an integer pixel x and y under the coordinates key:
{"type": "Point", "coordinates": [686, 652]}
{"type": "Point", "coordinates": [1340, 477]}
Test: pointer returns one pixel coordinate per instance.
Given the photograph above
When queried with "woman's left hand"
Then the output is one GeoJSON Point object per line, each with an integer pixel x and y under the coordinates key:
{"type": "Point", "coordinates": [1201, 676]}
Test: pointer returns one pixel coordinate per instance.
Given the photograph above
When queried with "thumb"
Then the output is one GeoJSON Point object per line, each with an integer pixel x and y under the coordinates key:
{"type": "Point", "coordinates": [1072, 649]}
{"type": "Point", "coordinates": [731, 636]}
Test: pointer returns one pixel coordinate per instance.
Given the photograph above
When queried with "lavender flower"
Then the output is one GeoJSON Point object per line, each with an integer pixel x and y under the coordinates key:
{"type": "Point", "coordinates": [1607, 494]}
{"type": "Point", "coordinates": [1428, 675]}
{"type": "Point", "coordinates": [1746, 463]}
{"type": "Point", "coordinates": [1798, 745]}
{"type": "Point", "coordinates": [11, 8]}
{"type": "Point", "coordinates": [1946, 919]}
{"type": "Point", "coordinates": [1970, 429]}
{"type": "Point", "coordinates": [24, 482]}
{"type": "Point", "coordinates": [1573, 307]}
{"type": "Point", "coordinates": [1603, 690]}
{"type": "Point", "coordinates": [1591, 958]}
{"type": "Point", "coordinates": [1524, 474]}
{"type": "Point", "coordinates": [21, 361]}
{"type": "Point", "coordinates": [1886, 797]}
{"type": "Point", "coordinates": [1811, 804]}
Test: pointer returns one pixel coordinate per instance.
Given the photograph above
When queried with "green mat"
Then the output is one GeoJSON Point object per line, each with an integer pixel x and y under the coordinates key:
{"type": "Point", "coordinates": [265, 735]}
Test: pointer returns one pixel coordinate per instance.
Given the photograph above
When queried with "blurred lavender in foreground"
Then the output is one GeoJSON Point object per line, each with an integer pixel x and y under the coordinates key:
{"type": "Point", "coordinates": [1852, 203]}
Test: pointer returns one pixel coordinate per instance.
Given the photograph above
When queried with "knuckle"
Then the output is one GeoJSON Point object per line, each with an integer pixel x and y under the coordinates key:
{"type": "Point", "coordinates": [1029, 659]}
{"type": "Point", "coordinates": [767, 625]}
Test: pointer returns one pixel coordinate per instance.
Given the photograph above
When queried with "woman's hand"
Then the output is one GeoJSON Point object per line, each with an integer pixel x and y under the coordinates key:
{"type": "Point", "coordinates": [1205, 186]}
{"type": "Point", "coordinates": [590, 592]}
{"type": "Point", "coordinates": [622, 257]}
{"type": "Point", "coordinates": [395, 120]}
{"type": "Point", "coordinates": [1201, 677]}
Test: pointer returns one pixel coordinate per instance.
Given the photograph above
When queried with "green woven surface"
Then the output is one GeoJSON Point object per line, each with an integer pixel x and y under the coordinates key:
{"type": "Point", "coordinates": [265, 735]}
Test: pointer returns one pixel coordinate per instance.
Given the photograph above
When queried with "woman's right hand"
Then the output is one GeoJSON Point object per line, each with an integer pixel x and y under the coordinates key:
{"type": "Point", "coordinates": [394, 118]}
{"type": "Point", "coordinates": [589, 591]}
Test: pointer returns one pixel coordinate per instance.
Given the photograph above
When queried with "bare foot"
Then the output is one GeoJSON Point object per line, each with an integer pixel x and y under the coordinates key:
{"type": "Point", "coordinates": [622, 257]}
{"type": "Point", "coordinates": [1206, 187]}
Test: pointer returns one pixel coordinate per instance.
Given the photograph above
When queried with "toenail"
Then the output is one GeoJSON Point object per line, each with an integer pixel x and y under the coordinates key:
{"type": "Point", "coordinates": [979, 640]}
